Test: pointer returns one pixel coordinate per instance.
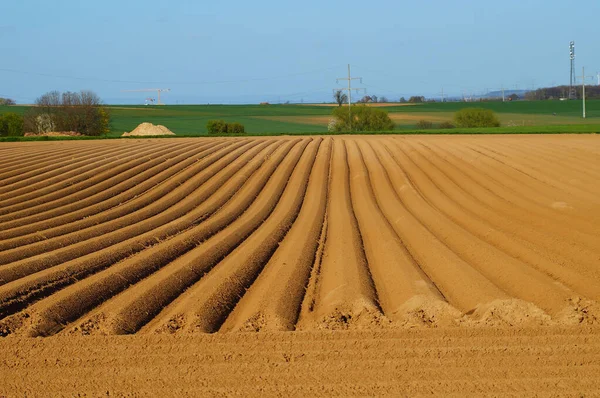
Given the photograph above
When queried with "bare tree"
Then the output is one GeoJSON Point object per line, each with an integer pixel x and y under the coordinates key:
{"type": "Point", "coordinates": [340, 97]}
{"type": "Point", "coordinates": [82, 112]}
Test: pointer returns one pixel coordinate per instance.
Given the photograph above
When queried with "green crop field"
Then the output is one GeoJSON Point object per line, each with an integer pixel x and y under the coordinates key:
{"type": "Point", "coordinates": [190, 120]}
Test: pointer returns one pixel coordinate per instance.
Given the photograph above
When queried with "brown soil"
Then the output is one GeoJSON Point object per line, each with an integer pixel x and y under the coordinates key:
{"type": "Point", "coordinates": [346, 265]}
{"type": "Point", "coordinates": [146, 129]}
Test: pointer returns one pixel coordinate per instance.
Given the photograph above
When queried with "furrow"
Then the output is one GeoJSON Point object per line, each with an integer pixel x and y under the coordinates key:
{"type": "Point", "coordinates": [58, 172]}
{"type": "Point", "coordinates": [182, 192]}
{"type": "Point", "coordinates": [51, 314]}
{"type": "Point", "coordinates": [27, 165]}
{"type": "Point", "coordinates": [306, 313]}
{"type": "Point", "coordinates": [346, 296]}
{"type": "Point", "coordinates": [459, 211]}
{"type": "Point", "coordinates": [511, 275]}
{"type": "Point", "coordinates": [59, 192]}
{"type": "Point", "coordinates": [205, 306]}
{"type": "Point", "coordinates": [443, 266]}
{"type": "Point", "coordinates": [556, 160]}
{"type": "Point", "coordinates": [468, 192]}
{"type": "Point", "coordinates": [274, 299]}
{"type": "Point", "coordinates": [515, 203]}
{"type": "Point", "coordinates": [128, 312]}
{"type": "Point", "coordinates": [405, 293]}
{"type": "Point", "coordinates": [142, 181]}
{"type": "Point", "coordinates": [25, 161]}
{"type": "Point", "coordinates": [540, 192]}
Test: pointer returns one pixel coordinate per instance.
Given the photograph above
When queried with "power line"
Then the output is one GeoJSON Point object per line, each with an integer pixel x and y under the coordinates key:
{"type": "Point", "coordinates": [166, 82]}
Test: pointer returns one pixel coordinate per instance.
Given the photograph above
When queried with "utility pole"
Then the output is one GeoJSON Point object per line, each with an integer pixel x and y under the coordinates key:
{"type": "Point", "coordinates": [349, 78]}
{"type": "Point", "coordinates": [502, 93]}
{"type": "Point", "coordinates": [598, 76]}
{"type": "Point", "coordinates": [583, 76]}
{"type": "Point", "coordinates": [442, 94]}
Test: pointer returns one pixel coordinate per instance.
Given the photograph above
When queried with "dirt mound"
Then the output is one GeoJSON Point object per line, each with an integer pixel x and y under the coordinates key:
{"type": "Point", "coordinates": [55, 134]}
{"type": "Point", "coordinates": [424, 311]}
{"type": "Point", "coordinates": [146, 129]}
{"type": "Point", "coordinates": [501, 313]}
{"type": "Point", "coordinates": [348, 318]}
{"type": "Point", "coordinates": [580, 311]}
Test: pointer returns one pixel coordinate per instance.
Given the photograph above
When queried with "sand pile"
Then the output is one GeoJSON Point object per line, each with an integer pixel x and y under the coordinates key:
{"type": "Point", "coordinates": [145, 129]}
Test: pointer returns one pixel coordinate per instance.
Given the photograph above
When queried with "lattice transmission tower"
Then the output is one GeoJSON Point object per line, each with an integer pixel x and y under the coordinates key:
{"type": "Point", "coordinates": [572, 79]}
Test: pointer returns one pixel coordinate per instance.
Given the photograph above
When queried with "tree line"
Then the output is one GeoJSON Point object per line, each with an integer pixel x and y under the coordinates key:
{"type": "Point", "coordinates": [81, 112]}
{"type": "Point", "coordinates": [549, 93]}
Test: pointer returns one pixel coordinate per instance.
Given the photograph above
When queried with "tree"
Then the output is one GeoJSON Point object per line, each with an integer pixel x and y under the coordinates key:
{"type": "Point", "coordinates": [513, 97]}
{"type": "Point", "coordinates": [81, 112]}
{"type": "Point", "coordinates": [383, 99]}
{"type": "Point", "coordinates": [364, 118]}
{"type": "Point", "coordinates": [11, 125]}
{"type": "Point", "coordinates": [340, 97]}
{"type": "Point", "coordinates": [402, 100]}
{"type": "Point", "coordinates": [7, 101]}
{"type": "Point", "coordinates": [374, 98]}
{"type": "Point", "coordinates": [476, 117]}
{"type": "Point", "coordinates": [415, 99]}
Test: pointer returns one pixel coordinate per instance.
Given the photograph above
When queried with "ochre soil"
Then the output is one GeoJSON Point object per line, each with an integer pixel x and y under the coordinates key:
{"type": "Point", "coordinates": [348, 265]}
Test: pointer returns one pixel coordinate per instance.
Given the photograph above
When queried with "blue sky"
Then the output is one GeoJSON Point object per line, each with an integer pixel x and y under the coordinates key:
{"type": "Point", "coordinates": [252, 51]}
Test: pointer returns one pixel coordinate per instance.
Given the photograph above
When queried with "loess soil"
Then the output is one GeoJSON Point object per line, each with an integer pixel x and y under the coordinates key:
{"type": "Point", "coordinates": [346, 265]}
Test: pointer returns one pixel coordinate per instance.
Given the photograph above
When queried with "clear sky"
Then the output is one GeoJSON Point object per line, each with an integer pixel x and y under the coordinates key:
{"type": "Point", "coordinates": [251, 51]}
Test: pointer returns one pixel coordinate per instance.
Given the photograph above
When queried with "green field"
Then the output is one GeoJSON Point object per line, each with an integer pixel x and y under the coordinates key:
{"type": "Point", "coordinates": [190, 120]}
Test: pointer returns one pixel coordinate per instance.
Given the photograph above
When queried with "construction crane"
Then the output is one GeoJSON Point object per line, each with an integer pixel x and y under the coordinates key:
{"type": "Point", "coordinates": [144, 90]}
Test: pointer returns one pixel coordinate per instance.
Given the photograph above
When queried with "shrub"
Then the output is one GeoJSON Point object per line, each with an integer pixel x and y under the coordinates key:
{"type": "Point", "coordinates": [476, 117]}
{"type": "Point", "coordinates": [11, 125]}
{"type": "Point", "coordinates": [235, 128]}
{"type": "Point", "coordinates": [216, 127]}
{"type": "Point", "coordinates": [424, 124]}
{"type": "Point", "coordinates": [446, 125]}
{"type": "Point", "coordinates": [221, 127]}
{"type": "Point", "coordinates": [364, 118]}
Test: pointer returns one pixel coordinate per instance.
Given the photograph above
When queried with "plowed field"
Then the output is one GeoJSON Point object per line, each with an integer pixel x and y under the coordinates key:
{"type": "Point", "coordinates": [418, 264]}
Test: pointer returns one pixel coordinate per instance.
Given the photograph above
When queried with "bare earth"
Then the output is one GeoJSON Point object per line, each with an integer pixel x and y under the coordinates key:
{"type": "Point", "coordinates": [352, 265]}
